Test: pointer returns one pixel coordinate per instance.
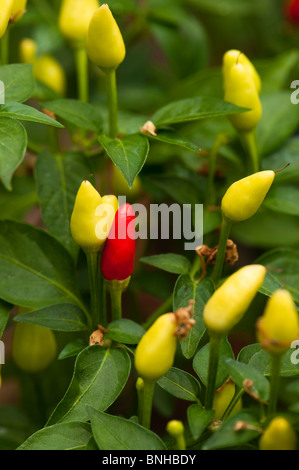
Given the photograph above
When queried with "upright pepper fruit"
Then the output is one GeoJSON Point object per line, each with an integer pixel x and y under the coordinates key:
{"type": "Point", "coordinates": [292, 11]}
{"type": "Point", "coordinates": [74, 19]}
{"type": "Point", "coordinates": [276, 330]}
{"type": "Point", "coordinates": [230, 301]}
{"type": "Point", "coordinates": [105, 45]}
{"type": "Point", "coordinates": [92, 217]}
{"type": "Point", "coordinates": [46, 68]}
{"type": "Point", "coordinates": [231, 58]}
{"type": "Point", "coordinates": [18, 9]}
{"type": "Point", "coordinates": [222, 399]}
{"type": "Point", "coordinates": [244, 197]}
{"type": "Point", "coordinates": [156, 351]}
{"type": "Point", "coordinates": [34, 347]}
{"type": "Point", "coordinates": [176, 430]}
{"type": "Point", "coordinates": [117, 261]}
{"type": "Point", "coordinates": [6, 7]}
{"type": "Point", "coordinates": [279, 326]}
{"type": "Point", "coordinates": [279, 435]}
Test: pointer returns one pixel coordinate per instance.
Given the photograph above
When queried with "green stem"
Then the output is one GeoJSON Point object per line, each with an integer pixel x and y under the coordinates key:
{"type": "Point", "coordinates": [148, 395]}
{"type": "Point", "coordinates": [211, 193]}
{"type": "Point", "coordinates": [112, 102]}
{"type": "Point", "coordinates": [248, 140]}
{"type": "Point", "coordinates": [5, 47]}
{"type": "Point", "coordinates": [164, 308]}
{"type": "Point", "coordinates": [82, 74]}
{"type": "Point", "coordinates": [274, 384]}
{"type": "Point", "coordinates": [103, 304]}
{"type": "Point", "coordinates": [180, 442]}
{"type": "Point", "coordinates": [116, 303]}
{"type": "Point", "coordinates": [224, 234]}
{"type": "Point", "coordinates": [92, 264]}
{"type": "Point", "coordinates": [195, 267]}
{"type": "Point", "coordinates": [212, 372]}
{"type": "Point", "coordinates": [233, 403]}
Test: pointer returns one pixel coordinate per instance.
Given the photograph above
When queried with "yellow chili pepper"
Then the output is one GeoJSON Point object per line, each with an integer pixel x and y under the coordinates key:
{"type": "Point", "coordinates": [176, 429]}
{"type": "Point", "coordinates": [240, 89]}
{"type": "Point", "coordinates": [233, 57]}
{"type": "Point", "coordinates": [92, 217]}
{"type": "Point", "coordinates": [244, 197]}
{"type": "Point", "coordinates": [46, 68]}
{"type": "Point", "coordinates": [155, 352]}
{"type": "Point", "coordinates": [279, 435]}
{"type": "Point", "coordinates": [230, 301]}
{"type": "Point", "coordinates": [34, 347]}
{"type": "Point", "coordinates": [279, 326]}
{"type": "Point", "coordinates": [6, 7]}
{"type": "Point", "coordinates": [105, 45]}
{"type": "Point", "coordinates": [74, 19]}
{"type": "Point", "coordinates": [18, 9]}
{"type": "Point", "coordinates": [222, 399]}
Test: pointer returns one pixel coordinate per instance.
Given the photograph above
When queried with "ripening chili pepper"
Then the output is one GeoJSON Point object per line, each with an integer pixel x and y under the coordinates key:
{"type": "Point", "coordinates": [240, 89]}
{"type": "Point", "coordinates": [6, 7]}
{"type": "Point", "coordinates": [234, 56]}
{"type": "Point", "coordinates": [244, 197]}
{"type": "Point", "coordinates": [34, 347]}
{"type": "Point", "coordinates": [105, 45]}
{"type": "Point", "coordinates": [176, 430]}
{"type": "Point", "coordinates": [74, 19]}
{"type": "Point", "coordinates": [117, 261]}
{"type": "Point", "coordinates": [92, 217]}
{"type": "Point", "coordinates": [46, 68]}
{"type": "Point", "coordinates": [222, 399]}
{"type": "Point", "coordinates": [18, 9]}
{"type": "Point", "coordinates": [230, 301]}
{"type": "Point", "coordinates": [292, 11]}
{"type": "Point", "coordinates": [156, 349]}
{"type": "Point", "coordinates": [279, 435]}
{"type": "Point", "coordinates": [279, 326]}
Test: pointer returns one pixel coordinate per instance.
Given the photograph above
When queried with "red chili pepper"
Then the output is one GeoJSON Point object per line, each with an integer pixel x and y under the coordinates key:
{"type": "Point", "coordinates": [292, 10]}
{"type": "Point", "coordinates": [117, 261]}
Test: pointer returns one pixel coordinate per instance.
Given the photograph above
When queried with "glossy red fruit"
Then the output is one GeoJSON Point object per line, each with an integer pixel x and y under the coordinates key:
{"type": "Point", "coordinates": [117, 261]}
{"type": "Point", "coordinates": [292, 10]}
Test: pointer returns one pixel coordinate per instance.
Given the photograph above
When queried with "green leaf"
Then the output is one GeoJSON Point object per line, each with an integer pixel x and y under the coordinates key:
{"type": "Point", "coordinates": [186, 289]}
{"type": "Point", "coordinates": [261, 361]}
{"type": "Point", "coordinates": [173, 138]}
{"type": "Point", "coordinates": [279, 121]}
{"type": "Point", "coordinates": [23, 112]}
{"type": "Point", "coordinates": [16, 426]}
{"type": "Point", "coordinates": [35, 270]}
{"type": "Point", "coordinates": [115, 433]}
{"type": "Point", "coordinates": [13, 143]}
{"type": "Point", "coordinates": [275, 72]}
{"type": "Point", "coordinates": [192, 109]}
{"type": "Point", "coordinates": [58, 178]}
{"type": "Point", "coordinates": [179, 189]}
{"type": "Point", "coordinates": [198, 420]}
{"type": "Point", "coordinates": [170, 262]}
{"type": "Point", "coordinates": [270, 285]}
{"type": "Point", "coordinates": [247, 352]}
{"type": "Point", "coordinates": [288, 153]}
{"type": "Point", "coordinates": [16, 204]}
{"type": "Point", "coordinates": [18, 82]}
{"type": "Point", "coordinates": [99, 377]}
{"type": "Point", "coordinates": [283, 199]}
{"type": "Point", "coordinates": [283, 264]}
{"type": "Point", "coordinates": [226, 436]}
{"type": "Point", "coordinates": [82, 115]}
{"type": "Point", "coordinates": [125, 331]}
{"type": "Point", "coordinates": [64, 436]}
{"type": "Point", "coordinates": [60, 317]}
{"type": "Point", "coordinates": [72, 349]}
{"type": "Point", "coordinates": [5, 309]}
{"type": "Point", "coordinates": [266, 230]}
{"type": "Point", "coordinates": [201, 363]}
{"type": "Point", "coordinates": [239, 372]}
{"type": "Point", "coordinates": [180, 384]}
{"type": "Point", "coordinates": [128, 153]}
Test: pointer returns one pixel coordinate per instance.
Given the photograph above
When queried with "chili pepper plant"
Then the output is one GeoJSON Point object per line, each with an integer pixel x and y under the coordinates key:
{"type": "Point", "coordinates": [117, 332]}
